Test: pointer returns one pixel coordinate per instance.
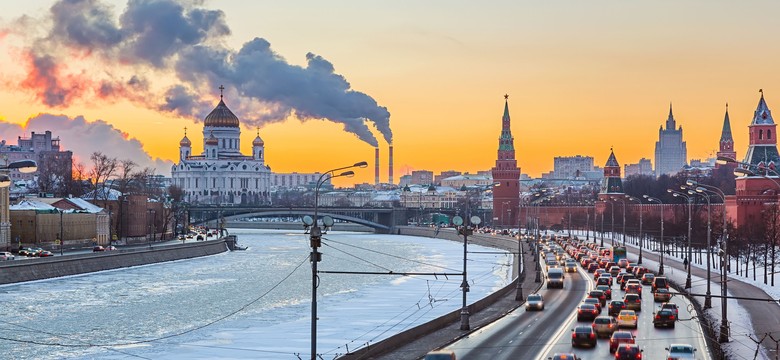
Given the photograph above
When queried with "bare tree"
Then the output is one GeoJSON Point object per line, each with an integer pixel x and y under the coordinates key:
{"type": "Point", "coordinates": [103, 168]}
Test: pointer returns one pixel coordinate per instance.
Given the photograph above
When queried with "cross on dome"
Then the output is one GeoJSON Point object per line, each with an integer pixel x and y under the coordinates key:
{"type": "Point", "coordinates": [221, 88]}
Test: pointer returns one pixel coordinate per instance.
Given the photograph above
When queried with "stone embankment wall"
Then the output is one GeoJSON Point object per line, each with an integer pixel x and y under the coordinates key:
{"type": "Point", "coordinates": [499, 242]}
{"type": "Point", "coordinates": [57, 266]}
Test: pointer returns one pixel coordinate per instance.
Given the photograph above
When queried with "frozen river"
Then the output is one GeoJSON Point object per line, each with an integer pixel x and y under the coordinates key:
{"type": "Point", "coordinates": [253, 304]}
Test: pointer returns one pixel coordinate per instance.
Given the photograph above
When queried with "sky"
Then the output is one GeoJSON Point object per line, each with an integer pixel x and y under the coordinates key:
{"type": "Point", "coordinates": [323, 82]}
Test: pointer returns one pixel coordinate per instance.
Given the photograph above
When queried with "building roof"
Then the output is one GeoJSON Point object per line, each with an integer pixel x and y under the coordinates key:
{"type": "Point", "coordinates": [221, 116]}
{"type": "Point", "coordinates": [612, 161]}
{"type": "Point", "coordinates": [762, 115]}
{"type": "Point", "coordinates": [32, 204]}
{"type": "Point", "coordinates": [725, 134]}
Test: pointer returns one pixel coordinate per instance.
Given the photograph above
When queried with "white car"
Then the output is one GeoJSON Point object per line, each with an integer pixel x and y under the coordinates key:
{"type": "Point", "coordinates": [680, 351]}
{"type": "Point", "coordinates": [534, 302]}
{"type": "Point", "coordinates": [5, 255]}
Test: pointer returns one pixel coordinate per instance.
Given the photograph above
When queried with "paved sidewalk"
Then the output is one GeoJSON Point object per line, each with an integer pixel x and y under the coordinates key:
{"type": "Point", "coordinates": [418, 348]}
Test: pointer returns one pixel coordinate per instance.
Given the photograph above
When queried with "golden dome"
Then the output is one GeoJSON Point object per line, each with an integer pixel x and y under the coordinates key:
{"type": "Point", "coordinates": [258, 141]}
{"type": "Point", "coordinates": [185, 142]}
{"type": "Point", "coordinates": [221, 116]}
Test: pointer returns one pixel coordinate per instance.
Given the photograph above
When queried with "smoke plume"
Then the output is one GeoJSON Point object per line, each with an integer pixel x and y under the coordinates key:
{"type": "Point", "coordinates": [92, 53]}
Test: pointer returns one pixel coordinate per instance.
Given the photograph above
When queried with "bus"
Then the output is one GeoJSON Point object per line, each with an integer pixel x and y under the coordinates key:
{"type": "Point", "coordinates": [618, 252]}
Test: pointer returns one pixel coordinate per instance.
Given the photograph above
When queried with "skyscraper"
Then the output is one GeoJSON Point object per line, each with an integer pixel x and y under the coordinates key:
{"type": "Point", "coordinates": [671, 153]}
{"type": "Point", "coordinates": [506, 173]}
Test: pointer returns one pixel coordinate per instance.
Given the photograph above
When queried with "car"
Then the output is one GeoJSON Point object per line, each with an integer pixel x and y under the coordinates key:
{"type": "Point", "coordinates": [671, 306]}
{"type": "Point", "coordinates": [571, 266]}
{"type": "Point", "coordinates": [551, 263]}
{"type": "Point", "coordinates": [630, 267]}
{"type": "Point", "coordinates": [634, 289]}
{"type": "Point", "coordinates": [587, 312]}
{"type": "Point", "coordinates": [664, 317]}
{"type": "Point", "coordinates": [182, 237]}
{"type": "Point", "coordinates": [598, 294]}
{"type": "Point", "coordinates": [615, 306]}
{"type": "Point", "coordinates": [620, 337]}
{"type": "Point", "coordinates": [5, 255]}
{"type": "Point", "coordinates": [647, 278]}
{"type": "Point", "coordinates": [564, 356]}
{"type": "Point", "coordinates": [592, 266]}
{"type": "Point", "coordinates": [680, 351]}
{"type": "Point", "coordinates": [624, 280]}
{"type": "Point", "coordinates": [110, 248]}
{"type": "Point", "coordinates": [45, 253]}
{"type": "Point", "coordinates": [598, 273]}
{"type": "Point", "coordinates": [633, 302]}
{"type": "Point", "coordinates": [595, 302]}
{"type": "Point", "coordinates": [662, 295]}
{"type": "Point", "coordinates": [440, 355]}
{"type": "Point", "coordinates": [534, 302]}
{"type": "Point", "coordinates": [34, 252]}
{"type": "Point", "coordinates": [614, 270]}
{"type": "Point", "coordinates": [606, 289]}
{"type": "Point", "coordinates": [660, 282]}
{"type": "Point", "coordinates": [627, 318]}
{"type": "Point", "coordinates": [24, 251]}
{"type": "Point", "coordinates": [98, 248]}
{"type": "Point", "coordinates": [604, 280]}
{"type": "Point", "coordinates": [623, 263]}
{"type": "Point", "coordinates": [628, 351]}
{"type": "Point", "coordinates": [604, 325]}
{"type": "Point", "coordinates": [583, 336]}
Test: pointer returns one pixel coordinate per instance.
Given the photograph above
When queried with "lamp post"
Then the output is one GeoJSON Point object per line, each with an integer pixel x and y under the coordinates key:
{"type": "Point", "coordinates": [641, 211]}
{"type": "Point", "coordinates": [62, 234]}
{"type": "Point", "coordinates": [707, 296]}
{"type": "Point", "coordinates": [315, 237]}
{"type": "Point", "coordinates": [25, 167]}
{"type": "Point", "coordinates": [689, 258]}
{"type": "Point", "coordinates": [149, 222]}
{"type": "Point", "coordinates": [724, 324]}
{"type": "Point", "coordinates": [652, 199]}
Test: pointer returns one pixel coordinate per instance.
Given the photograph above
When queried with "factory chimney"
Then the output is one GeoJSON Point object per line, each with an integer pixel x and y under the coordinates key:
{"type": "Point", "coordinates": [376, 167]}
{"type": "Point", "coordinates": [390, 171]}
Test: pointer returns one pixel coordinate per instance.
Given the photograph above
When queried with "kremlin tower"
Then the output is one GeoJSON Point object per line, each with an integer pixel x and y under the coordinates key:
{"type": "Point", "coordinates": [726, 148]}
{"type": "Point", "coordinates": [507, 174]}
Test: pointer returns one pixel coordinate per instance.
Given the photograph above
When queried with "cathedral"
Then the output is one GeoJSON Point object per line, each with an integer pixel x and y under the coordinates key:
{"type": "Point", "coordinates": [221, 174]}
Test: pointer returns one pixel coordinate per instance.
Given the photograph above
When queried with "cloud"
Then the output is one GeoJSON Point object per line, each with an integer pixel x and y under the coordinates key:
{"type": "Point", "coordinates": [83, 138]}
{"type": "Point", "coordinates": [184, 40]}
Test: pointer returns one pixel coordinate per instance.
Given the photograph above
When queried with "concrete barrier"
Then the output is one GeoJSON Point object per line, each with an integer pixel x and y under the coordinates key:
{"type": "Point", "coordinates": [57, 266]}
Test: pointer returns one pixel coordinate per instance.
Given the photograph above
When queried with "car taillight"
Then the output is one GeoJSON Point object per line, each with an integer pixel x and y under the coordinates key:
{"type": "Point", "coordinates": [671, 317]}
{"type": "Point", "coordinates": [639, 355]}
{"type": "Point", "coordinates": [580, 311]}
{"type": "Point", "coordinates": [573, 335]}
{"type": "Point", "coordinates": [658, 317]}
{"type": "Point", "coordinates": [595, 311]}
{"type": "Point", "coordinates": [592, 335]}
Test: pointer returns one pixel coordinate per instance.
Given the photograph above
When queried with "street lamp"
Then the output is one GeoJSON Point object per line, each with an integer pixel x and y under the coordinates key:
{"type": "Point", "coordinates": [652, 199]}
{"type": "Point", "coordinates": [724, 324]}
{"type": "Point", "coordinates": [315, 237]}
{"type": "Point", "coordinates": [641, 211]}
{"type": "Point", "coordinates": [689, 258]}
{"type": "Point", "coordinates": [465, 230]}
{"type": "Point", "coordinates": [707, 296]}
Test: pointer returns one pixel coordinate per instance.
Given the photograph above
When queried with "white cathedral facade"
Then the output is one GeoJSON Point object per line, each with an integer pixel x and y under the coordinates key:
{"type": "Point", "coordinates": [222, 175]}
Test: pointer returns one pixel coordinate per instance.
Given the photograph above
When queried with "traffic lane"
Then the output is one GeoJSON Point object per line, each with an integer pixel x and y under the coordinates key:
{"type": "Point", "coordinates": [651, 340]}
{"type": "Point", "coordinates": [524, 334]}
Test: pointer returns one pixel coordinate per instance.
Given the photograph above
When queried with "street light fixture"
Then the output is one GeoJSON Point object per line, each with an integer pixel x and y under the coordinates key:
{"type": "Point", "coordinates": [641, 211]}
{"type": "Point", "coordinates": [652, 199]}
{"type": "Point", "coordinates": [724, 324]}
{"type": "Point", "coordinates": [689, 258]}
{"type": "Point", "coordinates": [315, 237]}
{"type": "Point", "coordinates": [707, 296]}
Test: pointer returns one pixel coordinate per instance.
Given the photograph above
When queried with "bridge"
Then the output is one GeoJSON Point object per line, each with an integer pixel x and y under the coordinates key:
{"type": "Point", "coordinates": [382, 220]}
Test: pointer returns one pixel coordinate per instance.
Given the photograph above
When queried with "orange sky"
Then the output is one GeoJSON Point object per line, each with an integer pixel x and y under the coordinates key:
{"type": "Point", "coordinates": [581, 76]}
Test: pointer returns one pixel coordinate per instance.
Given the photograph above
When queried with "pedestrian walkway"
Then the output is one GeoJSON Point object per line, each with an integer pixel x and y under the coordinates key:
{"type": "Point", "coordinates": [749, 319]}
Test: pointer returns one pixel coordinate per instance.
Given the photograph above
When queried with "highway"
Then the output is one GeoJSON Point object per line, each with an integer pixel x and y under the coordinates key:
{"type": "Point", "coordinates": [537, 335]}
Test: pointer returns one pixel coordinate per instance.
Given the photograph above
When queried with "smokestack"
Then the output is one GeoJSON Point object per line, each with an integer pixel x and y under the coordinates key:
{"type": "Point", "coordinates": [390, 171]}
{"type": "Point", "coordinates": [376, 167]}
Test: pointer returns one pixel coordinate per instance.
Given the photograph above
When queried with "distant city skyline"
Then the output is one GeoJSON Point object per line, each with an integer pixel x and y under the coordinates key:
{"type": "Point", "coordinates": [574, 81]}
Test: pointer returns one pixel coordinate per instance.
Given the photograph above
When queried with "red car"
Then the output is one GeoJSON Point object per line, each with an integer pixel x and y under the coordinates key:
{"type": "Point", "coordinates": [620, 337]}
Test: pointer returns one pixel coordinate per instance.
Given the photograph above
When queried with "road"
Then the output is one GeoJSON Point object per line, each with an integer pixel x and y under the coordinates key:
{"type": "Point", "coordinates": [536, 335]}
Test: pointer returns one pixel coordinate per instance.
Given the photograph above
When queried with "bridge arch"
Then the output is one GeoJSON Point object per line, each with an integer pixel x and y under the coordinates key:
{"type": "Point", "coordinates": [288, 212]}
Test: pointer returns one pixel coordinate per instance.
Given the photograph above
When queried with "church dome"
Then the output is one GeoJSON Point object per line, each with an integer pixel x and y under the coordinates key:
{"type": "Point", "coordinates": [212, 140]}
{"type": "Point", "coordinates": [221, 116]}
{"type": "Point", "coordinates": [185, 142]}
{"type": "Point", "coordinates": [258, 141]}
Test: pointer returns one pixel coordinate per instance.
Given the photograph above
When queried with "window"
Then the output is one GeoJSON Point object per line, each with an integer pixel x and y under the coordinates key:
{"type": "Point", "coordinates": [769, 134]}
{"type": "Point", "coordinates": [760, 134]}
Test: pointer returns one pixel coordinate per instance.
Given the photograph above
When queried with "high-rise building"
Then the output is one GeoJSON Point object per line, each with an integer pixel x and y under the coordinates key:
{"type": "Point", "coordinates": [671, 153]}
{"type": "Point", "coordinates": [422, 177]}
{"type": "Point", "coordinates": [570, 167]}
{"type": "Point", "coordinates": [222, 174]}
{"type": "Point", "coordinates": [726, 148]}
{"type": "Point", "coordinates": [643, 167]}
{"type": "Point", "coordinates": [445, 174]}
{"type": "Point", "coordinates": [506, 173]}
